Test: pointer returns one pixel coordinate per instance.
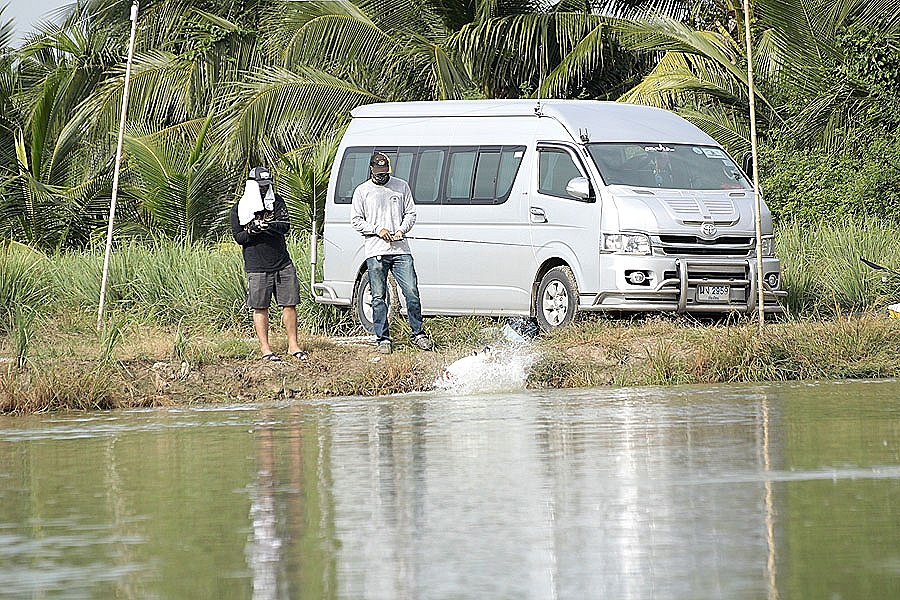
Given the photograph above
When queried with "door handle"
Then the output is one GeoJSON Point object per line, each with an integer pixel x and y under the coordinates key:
{"type": "Point", "coordinates": [537, 214]}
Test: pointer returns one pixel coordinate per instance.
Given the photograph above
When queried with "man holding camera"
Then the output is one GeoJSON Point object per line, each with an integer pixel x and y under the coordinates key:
{"type": "Point", "coordinates": [259, 224]}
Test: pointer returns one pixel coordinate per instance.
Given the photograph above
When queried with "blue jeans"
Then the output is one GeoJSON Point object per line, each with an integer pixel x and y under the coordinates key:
{"type": "Point", "coordinates": [401, 265]}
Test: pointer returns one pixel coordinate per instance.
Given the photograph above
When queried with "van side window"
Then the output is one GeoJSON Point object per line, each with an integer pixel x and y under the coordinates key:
{"type": "Point", "coordinates": [486, 177]}
{"type": "Point", "coordinates": [428, 171]}
{"type": "Point", "coordinates": [555, 168]}
{"type": "Point", "coordinates": [510, 159]}
{"type": "Point", "coordinates": [482, 175]}
{"type": "Point", "coordinates": [474, 175]}
{"type": "Point", "coordinates": [460, 175]}
{"type": "Point", "coordinates": [354, 170]}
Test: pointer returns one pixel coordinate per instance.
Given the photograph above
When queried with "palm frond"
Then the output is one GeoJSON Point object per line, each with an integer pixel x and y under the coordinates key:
{"type": "Point", "coordinates": [678, 79]}
{"type": "Point", "coordinates": [151, 72]}
{"type": "Point", "coordinates": [665, 34]}
{"type": "Point", "coordinates": [278, 100]}
{"type": "Point", "coordinates": [727, 125]}
{"type": "Point", "coordinates": [676, 9]}
{"type": "Point", "coordinates": [7, 29]}
{"type": "Point", "coordinates": [183, 185]}
{"type": "Point", "coordinates": [578, 64]}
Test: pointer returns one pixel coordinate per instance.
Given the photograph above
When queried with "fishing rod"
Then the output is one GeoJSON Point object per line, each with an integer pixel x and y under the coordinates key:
{"type": "Point", "coordinates": [878, 267]}
{"type": "Point", "coordinates": [434, 239]}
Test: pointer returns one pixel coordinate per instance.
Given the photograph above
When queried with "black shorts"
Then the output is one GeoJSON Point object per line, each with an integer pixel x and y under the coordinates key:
{"type": "Point", "coordinates": [283, 284]}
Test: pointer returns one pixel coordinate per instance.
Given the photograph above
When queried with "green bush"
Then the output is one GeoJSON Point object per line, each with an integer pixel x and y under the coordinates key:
{"type": "Point", "coordinates": [861, 180]}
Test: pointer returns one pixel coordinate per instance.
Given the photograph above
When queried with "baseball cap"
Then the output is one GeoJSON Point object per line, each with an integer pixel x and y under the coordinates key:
{"type": "Point", "coordinates": [260, 174]}
{"type": "Point", "coordinates": [380, 163]}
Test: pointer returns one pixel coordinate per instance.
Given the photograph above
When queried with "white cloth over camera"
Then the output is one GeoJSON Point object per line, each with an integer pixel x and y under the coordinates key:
{"type": "Point", "coordinates": [253, 201]}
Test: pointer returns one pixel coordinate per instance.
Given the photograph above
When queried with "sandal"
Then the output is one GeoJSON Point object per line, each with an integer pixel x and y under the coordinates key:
{"type": "Point", "coordinates": [271, 357]}
{"type": "Point", "coordinates": [300, 355]}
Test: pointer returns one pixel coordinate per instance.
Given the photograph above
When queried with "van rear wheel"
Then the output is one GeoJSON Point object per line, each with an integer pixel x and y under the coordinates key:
{"type": "Point", "coordinates": [557, 298]}
{"type": "Point", "coordinates": [362, 302]}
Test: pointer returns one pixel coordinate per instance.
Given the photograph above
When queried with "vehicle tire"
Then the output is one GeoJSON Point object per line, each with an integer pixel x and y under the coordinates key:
{"type": "Point", "coordinates": [557, 299]}
{"type": "Point", "coordinates": [362, 302]}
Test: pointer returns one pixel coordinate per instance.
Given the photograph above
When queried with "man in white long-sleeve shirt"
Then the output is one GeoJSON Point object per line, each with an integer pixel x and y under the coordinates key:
{"type": "Point", "coordinates": [383, 212]}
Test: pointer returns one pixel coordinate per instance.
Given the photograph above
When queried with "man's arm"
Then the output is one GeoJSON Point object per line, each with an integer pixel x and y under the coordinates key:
{"type": "Point", "coordinates": [281, 218]}
{"type": "Point", "coordinates": [239, 234]}
{"type": "Point", "coordinates": [358, 215]}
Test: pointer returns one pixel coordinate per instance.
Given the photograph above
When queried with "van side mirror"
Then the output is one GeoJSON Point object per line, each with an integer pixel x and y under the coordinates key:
{"type": "Point", "coordinates": [747, 164]}
{"type": "Point", "coordinates": [579, 187]}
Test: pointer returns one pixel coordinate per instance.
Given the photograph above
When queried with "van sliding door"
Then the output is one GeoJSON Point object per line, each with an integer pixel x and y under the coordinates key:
{"type": "Point", "coordinates": [486, 261]}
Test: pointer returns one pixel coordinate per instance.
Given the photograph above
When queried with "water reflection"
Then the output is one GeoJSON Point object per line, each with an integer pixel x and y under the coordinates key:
{"type": "Point", "coordinates": [264, 547]}
{"type": "Point", "coordinates": [696, 492]}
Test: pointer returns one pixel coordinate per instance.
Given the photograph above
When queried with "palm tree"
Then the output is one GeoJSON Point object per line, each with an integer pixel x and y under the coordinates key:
{"type": "Point", "coordinates": [69, 94]}
{"type": "Point", "coordinates": [334, 55]}
{"type": "Point", "coordinates": [55, 188]}
{"type": "Point", "coordinates": [798, 56]}
{"type": "Point", "coordinates": [179, 183]}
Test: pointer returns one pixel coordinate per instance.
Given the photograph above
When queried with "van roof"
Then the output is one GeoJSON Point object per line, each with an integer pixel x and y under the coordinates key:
{"type": "Point", "coordinates": [605, 121]}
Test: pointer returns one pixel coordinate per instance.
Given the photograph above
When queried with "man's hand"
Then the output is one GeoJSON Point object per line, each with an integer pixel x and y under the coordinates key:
{"type": "Point", "coordinates": [385, 235]}
{"type": "Point", "coordinates": [398, 235]}
{"type": "Point", "coordinates": [257, 226]}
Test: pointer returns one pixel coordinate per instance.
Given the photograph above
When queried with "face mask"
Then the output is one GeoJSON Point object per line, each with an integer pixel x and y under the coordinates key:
{"type": "Point", "coordinates": [380, 178]}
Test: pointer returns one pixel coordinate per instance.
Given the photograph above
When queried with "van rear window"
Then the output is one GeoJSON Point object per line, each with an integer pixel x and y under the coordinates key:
{"type": "Point", "coordinates": [449, 174]}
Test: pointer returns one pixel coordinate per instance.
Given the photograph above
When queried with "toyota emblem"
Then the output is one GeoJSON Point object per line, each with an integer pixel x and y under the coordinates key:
{"type": "Point", "coordinates": [708, 230]}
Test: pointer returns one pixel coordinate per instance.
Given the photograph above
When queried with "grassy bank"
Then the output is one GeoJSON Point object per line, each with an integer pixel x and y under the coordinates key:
{"type": "Point", "coordinates": [665, 352]}
{"type": "Point", "coordinates": [73, 369]}
{"type": "Point", "coordinates": [176, 331]}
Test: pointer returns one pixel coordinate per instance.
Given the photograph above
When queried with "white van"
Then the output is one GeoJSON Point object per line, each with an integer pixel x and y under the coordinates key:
{"type": "Point", "coordinates": [545, 208]}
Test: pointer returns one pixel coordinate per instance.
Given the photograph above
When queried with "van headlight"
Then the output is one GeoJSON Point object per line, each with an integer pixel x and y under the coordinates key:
{"type": "Point", "coordinates": [625, 243]}
{"type": "Point", "coordinates": [768, 245]}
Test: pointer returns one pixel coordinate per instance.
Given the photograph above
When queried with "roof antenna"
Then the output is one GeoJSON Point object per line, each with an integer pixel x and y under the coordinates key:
{"type": "Point", "coordinates": [584, 135]}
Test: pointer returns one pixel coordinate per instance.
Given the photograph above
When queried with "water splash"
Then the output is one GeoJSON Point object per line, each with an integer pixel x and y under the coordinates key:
{"type": "Point", "coordinates": [490, 370]}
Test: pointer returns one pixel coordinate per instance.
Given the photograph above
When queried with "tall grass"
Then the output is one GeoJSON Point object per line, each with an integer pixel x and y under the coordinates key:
{"type": "Point", "coordinates": [83, 387]}
{"type": "Point", "coordinates": [170, 283]}
{"type": "Point", "coordinates": [203, 285]}
{"type": "Point", "coordinates": [822, 271]}
{"type": "Point", "coordinates": [21, 295]}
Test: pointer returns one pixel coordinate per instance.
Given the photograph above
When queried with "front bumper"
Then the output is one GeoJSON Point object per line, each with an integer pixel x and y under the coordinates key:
{"type": "Point", "coordinates": [673, 284]}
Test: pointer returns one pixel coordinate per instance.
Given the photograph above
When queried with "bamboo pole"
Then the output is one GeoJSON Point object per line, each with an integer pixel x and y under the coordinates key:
{"type": "Point", "coordinates": [313, 241]}
{"type": "Point", "coordinates": [760, 300]}
{"type": "Point", "coordinates": [115, 188]}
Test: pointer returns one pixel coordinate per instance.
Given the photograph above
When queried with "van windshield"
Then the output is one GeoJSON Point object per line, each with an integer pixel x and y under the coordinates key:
{"type": "Point", "coordinates": [672, 166]}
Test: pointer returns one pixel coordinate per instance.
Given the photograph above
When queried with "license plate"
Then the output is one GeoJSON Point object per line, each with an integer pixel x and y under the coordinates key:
{"type": "Point", "coordinates": [713, 293]}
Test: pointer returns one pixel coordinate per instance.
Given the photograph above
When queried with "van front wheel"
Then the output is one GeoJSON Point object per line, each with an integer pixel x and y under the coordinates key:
{"type": "Point", "coordinates": [557, 298]}
{"type": "Point", "coordinates": [362, 302]}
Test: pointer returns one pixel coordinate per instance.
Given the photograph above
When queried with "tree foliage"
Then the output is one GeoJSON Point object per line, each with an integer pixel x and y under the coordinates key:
{"type": "Point", "coordinates": [218, 86]}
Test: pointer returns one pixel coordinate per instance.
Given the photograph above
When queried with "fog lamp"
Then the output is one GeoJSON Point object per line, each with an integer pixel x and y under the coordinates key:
{"type": "Point", "coordinates": [772, 280]}
{"type": "Point", "coordinates": [636, 277]}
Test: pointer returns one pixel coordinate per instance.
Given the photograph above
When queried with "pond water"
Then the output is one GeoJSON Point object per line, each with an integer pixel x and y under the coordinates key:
{"type": "Point", "coordinates": [759, 491]}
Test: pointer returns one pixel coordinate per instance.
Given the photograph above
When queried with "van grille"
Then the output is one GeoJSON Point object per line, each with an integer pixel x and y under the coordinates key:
{"type": "Point", "coordinates": [689, 245]}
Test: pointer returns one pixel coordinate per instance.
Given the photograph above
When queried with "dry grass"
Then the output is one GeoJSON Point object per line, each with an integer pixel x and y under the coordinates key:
{"type": "Point", "coordinates": [667, 352]}
{"type": "Point", "coordinates": [157, 365]}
